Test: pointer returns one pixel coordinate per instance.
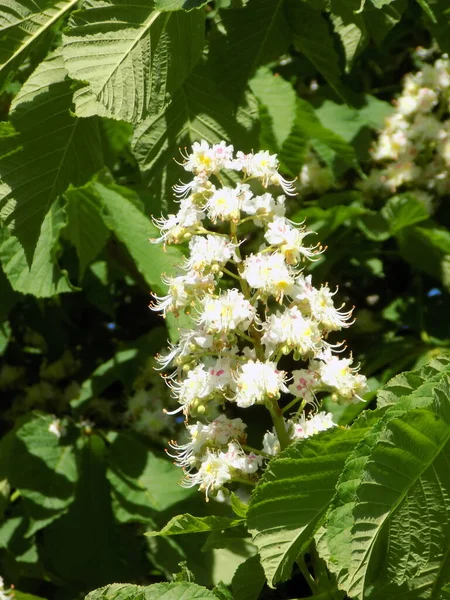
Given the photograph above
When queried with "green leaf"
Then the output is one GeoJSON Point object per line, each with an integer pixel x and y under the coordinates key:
{"type": "Point", "coordinates": [24, 24]}
{"type": "Point", "coordinates": [308, 129]}
{"type": "Point", "coordinates": [158, 591]}
{"type": "Point", "coordinates": [222, 592]}
{"type": "Point", "coordinates": [249, 579]}
{"type": "Point", "coordinates": [31, 178]}
{"type": "Point", "coordinates": [374, 226]}
{"type": "Point", "coordinates": [85, 227]}
{"type": "Point", "coordinates": [349, 25]}
{"type": "Point", "coordinates": [141, 483]}
{"type": "Point", "coordinates": [413, 385]}
{"type": "Point", "coordinates": [312, 37]}
{"type": "Point", "coordinates": [132, 56]}
{"type": "Point", "coordinates": [44, 278]}
{"type": "Point", "coordinates": [249, 37]}
{"type": "Point", "coordinates": [73, 544]}
{"type": "Point", "coordinates": [182, 524]}
{"type": "Point", "coordinates": [405, 488]}
{"type": "Point", "coordinates": [427, 248]}
{"type": "Point", "coordinates": [277, 96]}
{"type": "Point", "coordinates": [43, 468]}
{"type": "Point", "coordinates": [5, 337]}
{"type": "Point", "coordinates": [402, 211]}
{"type": "Point", "coordinates": [425, 388]}
{"type": "Point", "coordinates": [198, 111]}
{"type": "Point", "coordinates": [347, 121]}
{"type": "Point", "coordinates": [124, 366]}
{"type": "Point", "coordinates": [239, 508]}
{"type": "Point", "coordinates": [131, 227]}
{"type": "Point", "coordinates": [290, 501]}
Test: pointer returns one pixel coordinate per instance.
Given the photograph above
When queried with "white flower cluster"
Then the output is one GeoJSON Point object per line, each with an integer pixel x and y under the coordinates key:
{"type": "Point", "coordinates": [248, 309]}
{"type": "Point", "coordinates": [413, 149]}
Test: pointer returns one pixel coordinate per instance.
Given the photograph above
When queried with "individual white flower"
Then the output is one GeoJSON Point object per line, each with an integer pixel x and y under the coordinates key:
{"type": "Point", "coordinates": [230, 311]}
{"type": "Point", "coordinates": [191, 341]}
{"type": "Point", "coordinates": [271, 443]}
{"type": "Point", "coordinates": [257, 381]}
{"type": "Point", "coordinates": [209, 251]}
{"type": "Point", "coordinates": [299, 428]}
{"type": "Point", "coordinates": [281, 233]}
{"type": "Point", "coordinates": [323, 310]}
{"type": "Point", "coordinates": [183, 290]}
{"type": "Point", "coordinates": [304, 383]}
{"type": "Point", "coordinates": [199, 185]}
{"type": "Point", "coordinates": [57, 428]}
{"type": "Point", "coordinates": [213, 473]}
{"type": "Point", "coordinates": [220, 372]}
{"type": "Point", "coordinates": [205, 160]}
{"type": "Point", "coordinates": [305, 427]}
{"type": "Point", "coordinates": [215, 434]}
{"type": "Point", "coordinates": [225, 203]}
{"type": "Point", "coordinates": [217, 468]}
{"type": "Point", "coordinates": [194, 387]}
{"type": "Point", "coordinates": [175, 228]}
{"type": "Point", "coordinates": [289, 330]}
{"type": "Point", "coordinates": [264, 166]}
{"type": "Point", "coordinates": [246, 464]}
{"type": "Point", "coordinates": [268, 273]}
{"type": "Point", "coordinates": [264, 207]}
{"type": "Point", "coordinates": [338, 374]}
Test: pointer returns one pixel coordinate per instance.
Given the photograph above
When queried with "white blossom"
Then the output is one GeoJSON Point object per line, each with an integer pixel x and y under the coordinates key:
{"type": "Point", "coordinates": [230, 311]}
{"type": "Point", "coordinates": [257, 381]}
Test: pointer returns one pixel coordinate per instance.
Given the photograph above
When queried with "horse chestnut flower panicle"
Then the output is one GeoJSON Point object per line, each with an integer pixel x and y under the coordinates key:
{"type": "Point", "coordinates": [247, 311]}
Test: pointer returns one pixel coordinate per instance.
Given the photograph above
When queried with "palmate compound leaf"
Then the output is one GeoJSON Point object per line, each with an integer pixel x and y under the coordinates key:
{"type": "Point", "coordinates": [23, 23]}
{"type": "Point", "coordinates": [132, 55]}
{"type": "Point", "coordinates": [43, 151]}
{"type": "Point", "coordinates": [158, 591]}
{"type": "Point", "coordinates": [389, 540]}
{"type": "Point", "coordinates": [198, 111]}
{"type": "Point", "coordinates": [290, 502]}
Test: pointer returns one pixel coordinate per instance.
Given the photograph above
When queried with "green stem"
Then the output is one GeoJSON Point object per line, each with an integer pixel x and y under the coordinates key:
{"type": "Point", "coordinates": [230, 273]}
{"type": "Point", "coordinates": [245, 481]}
{"type": "Point", "coordinates": [278, 422]}
{"type": "Point", "coordinates": [255, 451]}
{"type": "Point", "coordinates": [307, 575]}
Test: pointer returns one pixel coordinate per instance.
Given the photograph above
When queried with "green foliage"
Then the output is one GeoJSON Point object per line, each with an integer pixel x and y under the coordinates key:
{"type": "Point", "coordinates": [25, 25]}
{"type": "Point", "coordinates": [122, 66]}
{"type": "Point", "coordinates": [97, 100]}
{"type": "Point", "coordinates": [160, 591]}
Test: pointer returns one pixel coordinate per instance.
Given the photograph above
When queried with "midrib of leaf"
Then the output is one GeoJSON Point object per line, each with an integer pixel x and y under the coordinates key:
{"type": "Point", "coordinates": [437, 582]}
{"type": "Point", "coordinates": [396, 504]}
{"type": "Point", "coordinates": [146, 26]}
{"type": "Point", "coordinates": [38, 32]}
{"type": "Point", "coordinates": [61, 162]}
{"type": "Point", "coordinates": [189, 127]}
{"type": "Point", "coordinates": [268, 30]}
